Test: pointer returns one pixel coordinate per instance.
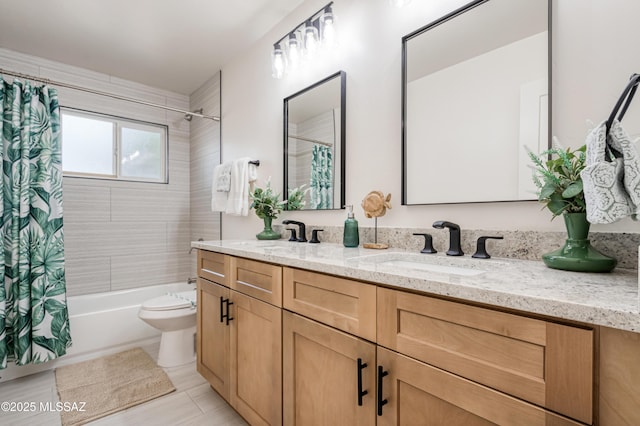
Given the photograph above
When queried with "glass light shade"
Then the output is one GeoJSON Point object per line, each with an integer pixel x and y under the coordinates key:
{"type": "Point", "coordinates": [294, 51]}
{"type": "Point", "coordinates": [278, 62]}
{"type": "Point", "coordinates": [310, 39]}
{"type": "Point", "coordinates": [328, 28]}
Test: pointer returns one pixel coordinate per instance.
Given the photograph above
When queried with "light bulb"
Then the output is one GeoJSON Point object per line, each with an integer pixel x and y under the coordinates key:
{"type": "Point", "coordinates": [294, 52]}
{"type": "Point", "coordinates": [278, 62]}
{"type": "Point", "coordinates": [328, 29]}
{"type": "Point", "coordinates": [310, 39]}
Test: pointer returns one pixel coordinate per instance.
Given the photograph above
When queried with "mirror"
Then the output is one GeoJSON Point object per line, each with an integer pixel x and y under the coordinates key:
{"type": "Point", "coordinates": [475, 93]}
{"type": "Point", "coordinates": [314, 144]}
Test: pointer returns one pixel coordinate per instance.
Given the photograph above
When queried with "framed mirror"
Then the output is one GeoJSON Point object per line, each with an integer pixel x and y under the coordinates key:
{"type": "Point", "coordinates": [475, 96]}
{"type": "Point", "coordinates": [314, 144]}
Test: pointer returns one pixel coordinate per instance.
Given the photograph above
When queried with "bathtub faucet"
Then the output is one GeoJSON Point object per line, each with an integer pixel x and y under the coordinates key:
{"type": "Point", "coordinates": [191, 280]}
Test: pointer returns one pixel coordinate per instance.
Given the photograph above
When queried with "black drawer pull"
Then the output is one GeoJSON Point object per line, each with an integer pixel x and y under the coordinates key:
{"type": "Point", "coordinates": [381, 402]}
{"type": "Point", "coordinates": [361, 393]}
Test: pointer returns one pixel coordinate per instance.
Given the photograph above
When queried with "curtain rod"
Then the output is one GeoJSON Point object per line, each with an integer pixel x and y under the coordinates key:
{"type": "Point", "coordinates": [316, 141]}
{"type": "Point", "coordinates": [110, 95]}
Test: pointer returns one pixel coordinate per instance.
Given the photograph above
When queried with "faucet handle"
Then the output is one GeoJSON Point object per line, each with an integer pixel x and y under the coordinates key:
{"type": "Point", "coordinates": [428, 243]}
{"type": "Point", "coordinates": [481, 249]}
{"type": "Point", "coordinates": [314, 236]}
{"type": "Point", "coordinates": [294, 236]}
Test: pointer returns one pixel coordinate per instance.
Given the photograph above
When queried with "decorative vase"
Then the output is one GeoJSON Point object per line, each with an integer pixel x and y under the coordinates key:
{"type": "Point", "coordinates": [577, 254]}
{"type": "Point", "coordinates": [268, 233]}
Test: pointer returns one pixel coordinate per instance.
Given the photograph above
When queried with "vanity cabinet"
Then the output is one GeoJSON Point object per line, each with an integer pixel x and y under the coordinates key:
{"type": "Point", "coordinates": [239, 337]}
{"type": "Point", "coordinates": [308, 348]}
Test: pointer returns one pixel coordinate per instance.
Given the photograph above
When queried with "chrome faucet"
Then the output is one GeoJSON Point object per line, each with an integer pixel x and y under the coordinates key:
{"type": "Point", "coordinates": [454, 237]}
{"type": "Point", "coordinates": [302, 231]}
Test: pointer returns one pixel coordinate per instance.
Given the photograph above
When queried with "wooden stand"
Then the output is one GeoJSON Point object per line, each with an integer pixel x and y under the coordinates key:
{"type": "Point", "coordinates": [376, 245]}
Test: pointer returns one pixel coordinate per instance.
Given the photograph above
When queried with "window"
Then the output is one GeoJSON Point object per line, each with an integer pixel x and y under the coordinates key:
{"type": "Point", "coordinates": [102, 146]}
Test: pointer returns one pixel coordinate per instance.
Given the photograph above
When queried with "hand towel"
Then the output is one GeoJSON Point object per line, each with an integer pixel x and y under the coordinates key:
{"type": "Point", "coordinates": [218, 198]}
{"type": "Point", "coordinates": [621, 142]}
{"type": "Point", "coordinates": [243, 175]}
{"type": "Point", "coordinates": [223, 182]}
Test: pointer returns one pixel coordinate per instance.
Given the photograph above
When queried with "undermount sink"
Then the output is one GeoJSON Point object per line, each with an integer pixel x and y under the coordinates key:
{"type": "Point", "coordinates": [433, 263]}
{"type": "Point", "coordinates": [444, 269]}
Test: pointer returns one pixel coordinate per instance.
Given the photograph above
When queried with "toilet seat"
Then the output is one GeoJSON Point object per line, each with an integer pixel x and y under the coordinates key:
{"type": "Point", "coordinates": [171, 301]}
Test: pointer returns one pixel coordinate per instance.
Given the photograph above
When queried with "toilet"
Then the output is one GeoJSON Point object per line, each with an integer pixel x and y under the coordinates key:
{"type": "Point", "coordinates": [174, 314]}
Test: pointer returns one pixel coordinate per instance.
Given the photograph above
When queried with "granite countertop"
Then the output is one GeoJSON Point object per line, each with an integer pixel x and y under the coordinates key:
{"type": "Point", "coordinates": [608, 299]}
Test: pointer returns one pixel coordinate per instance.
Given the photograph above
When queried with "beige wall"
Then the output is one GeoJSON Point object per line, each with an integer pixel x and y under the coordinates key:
{"type": "Point", "coordinates": [594, 45]}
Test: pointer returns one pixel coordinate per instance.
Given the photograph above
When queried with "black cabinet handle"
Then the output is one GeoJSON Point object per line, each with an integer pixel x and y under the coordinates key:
{"type": "Point", "coordinates": [381, 402]}
{"type": "Point", "coordinates": [225, 317]}
{"type": "Point", "coordinates": [361, 393]}
{"type": "Point", "coordinates": [228, 315]}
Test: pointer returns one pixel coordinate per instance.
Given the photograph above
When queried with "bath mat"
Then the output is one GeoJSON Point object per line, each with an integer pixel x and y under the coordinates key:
{"type": "Point", "coordinates": [96, 388]}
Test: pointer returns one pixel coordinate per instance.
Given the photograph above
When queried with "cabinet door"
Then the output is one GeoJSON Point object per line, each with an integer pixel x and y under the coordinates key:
{"type": "Point", "coordinates": [322, 373]}
{"type": "Point", "coordinates": [548, 364]}
{"type": "Point", "coordinates": [212, 333]}
{"type": "Point", "coordinates": [256, 360]}
{"type": "Point", "coordinates": [419, 394]}
{"type": "Point", "coordinates": [619, 377]}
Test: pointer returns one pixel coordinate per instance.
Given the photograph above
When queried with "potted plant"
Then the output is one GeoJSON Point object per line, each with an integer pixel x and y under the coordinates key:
{"type": "Point", "coordinates": [267, 205]}
{"type": "Point", "coordinates": [557, 177]}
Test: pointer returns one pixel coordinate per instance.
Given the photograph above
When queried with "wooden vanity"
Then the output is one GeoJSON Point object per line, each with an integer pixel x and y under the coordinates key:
{"type": "Point", "coordinates": [285, 345]}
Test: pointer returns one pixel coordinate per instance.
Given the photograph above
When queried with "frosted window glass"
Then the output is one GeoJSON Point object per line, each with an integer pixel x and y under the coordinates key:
{"type": "Point", "coordinates": [87, 145]}
{"type": "Point", "coordinates": [142, 154]}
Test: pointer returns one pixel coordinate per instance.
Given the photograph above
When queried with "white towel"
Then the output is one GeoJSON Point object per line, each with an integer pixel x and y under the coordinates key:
{"type": "Point", "coordinates": [218, 198]}
{"type": "Point", "coordinates": [243, 175]}
{"type": "Point", "coordinates": [223, 181]}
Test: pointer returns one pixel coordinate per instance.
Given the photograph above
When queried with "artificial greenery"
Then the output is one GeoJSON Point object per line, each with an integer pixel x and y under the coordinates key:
{"type": "Point", "coordinates": [266, 203]}
{"type": "Point", "coordinates": [295, 199]}
{"type": "Point", "coordinates": [557, 177]}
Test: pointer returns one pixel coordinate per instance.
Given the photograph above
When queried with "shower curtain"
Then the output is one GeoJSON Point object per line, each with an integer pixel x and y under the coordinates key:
{"type": "Point", "coordinates": [34, 322]}
{"type": "Point", "coordinates": [321, 177]}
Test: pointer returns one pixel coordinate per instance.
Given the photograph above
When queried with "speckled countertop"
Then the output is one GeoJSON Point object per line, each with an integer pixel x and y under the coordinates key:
{"type": "Point", "coordinates": [609, 299]}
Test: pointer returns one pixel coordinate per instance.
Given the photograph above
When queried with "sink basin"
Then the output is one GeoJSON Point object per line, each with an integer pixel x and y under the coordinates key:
{"type": "Point", "coordinates": [430, 267]}
{"type": "Point", "coordinates": [462, 266]}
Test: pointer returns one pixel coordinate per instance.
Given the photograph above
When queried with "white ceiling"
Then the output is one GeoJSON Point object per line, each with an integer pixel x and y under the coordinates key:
{"type": "Point", "coordinates": [170, 44]}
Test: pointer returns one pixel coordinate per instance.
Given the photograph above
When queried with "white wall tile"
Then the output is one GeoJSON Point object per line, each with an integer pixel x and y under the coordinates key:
{"type": "Point", "coordinates": [85, 276]}
{"type": "Point", "coordinates": [149, 269]}
{"type": "Point", "coordinates": [86, 204]}
{"type": "Point", "coordinates": [139, 205]}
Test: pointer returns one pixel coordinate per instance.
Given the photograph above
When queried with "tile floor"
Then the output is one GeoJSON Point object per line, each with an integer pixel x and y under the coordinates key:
{"type": "Point", "coordinates": [193, 402]}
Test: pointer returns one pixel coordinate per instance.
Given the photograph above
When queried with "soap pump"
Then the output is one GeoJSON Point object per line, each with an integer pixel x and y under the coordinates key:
{"type": "Point", "coordinates": [351, 237]}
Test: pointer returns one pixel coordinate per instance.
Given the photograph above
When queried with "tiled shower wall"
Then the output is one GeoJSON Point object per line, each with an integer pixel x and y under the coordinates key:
{"type": "Point", "coordinates": [205, 155]}
{"type": "Point", "coordinates": [121, 235]}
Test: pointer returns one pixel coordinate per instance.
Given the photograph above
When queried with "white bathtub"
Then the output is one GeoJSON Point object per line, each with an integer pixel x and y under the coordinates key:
{"type": "Point", "coordinates": [101, 324]}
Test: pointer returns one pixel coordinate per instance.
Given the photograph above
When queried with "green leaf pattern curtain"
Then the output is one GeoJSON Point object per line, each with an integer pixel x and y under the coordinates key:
{"type": "Point", "coordinates": [321, 177]}
{"type": "Point", "coordinates": [34, 322]}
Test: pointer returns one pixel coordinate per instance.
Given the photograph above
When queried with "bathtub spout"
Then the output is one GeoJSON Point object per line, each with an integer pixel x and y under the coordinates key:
{"type": "Point", "coordinates": [191, 280]}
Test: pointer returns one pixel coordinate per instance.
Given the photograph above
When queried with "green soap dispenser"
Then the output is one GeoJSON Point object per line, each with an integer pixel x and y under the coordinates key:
{"type": "Point", "coordinates": [351, 237]}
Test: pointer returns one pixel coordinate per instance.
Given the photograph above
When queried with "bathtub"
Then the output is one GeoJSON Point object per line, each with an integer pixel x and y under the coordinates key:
{"type": "Point", "coordinates": [101, 324]}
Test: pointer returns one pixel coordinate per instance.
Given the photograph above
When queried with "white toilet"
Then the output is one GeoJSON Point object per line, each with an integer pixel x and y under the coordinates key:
{"type": "Point", "coordinates": [175, 316]}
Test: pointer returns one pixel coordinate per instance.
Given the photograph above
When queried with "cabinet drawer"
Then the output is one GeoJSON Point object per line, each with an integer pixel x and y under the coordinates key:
{"type": "Point", "coordinates": [213, 267]}
{"type": "Point", "coordinates": [257, 279]}
{"type": "Point", "coordinates": [420, 394]}
{"type": "Point", "coordinates": [548, 364]}
{"type": "Point", "coordinates": [344, 304]}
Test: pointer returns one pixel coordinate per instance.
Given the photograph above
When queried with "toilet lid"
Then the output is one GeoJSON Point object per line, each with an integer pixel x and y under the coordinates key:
{"type": "Point", "coordinates": [166, 303]}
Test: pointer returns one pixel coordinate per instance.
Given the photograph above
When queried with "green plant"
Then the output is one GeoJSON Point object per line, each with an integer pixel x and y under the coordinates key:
{"type": "Point", "coordinates": [295, 199]}
{"type": "Point", "coordinates": [265, 202]}
{"type": "Point", "coordinates": [557, 177]}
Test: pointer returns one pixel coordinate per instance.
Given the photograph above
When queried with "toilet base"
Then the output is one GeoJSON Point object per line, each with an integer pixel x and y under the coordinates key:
{"type": "Point", "coordinates": [177, 347]}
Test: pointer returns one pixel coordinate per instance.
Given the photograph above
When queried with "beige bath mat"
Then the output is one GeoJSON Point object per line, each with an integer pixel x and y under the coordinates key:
{"type": "Point", "coordinates": [99, 387]}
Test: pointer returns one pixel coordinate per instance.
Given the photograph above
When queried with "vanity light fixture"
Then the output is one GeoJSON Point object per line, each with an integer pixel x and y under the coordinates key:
{"type": "Point", "coordinates": [304, 42]}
